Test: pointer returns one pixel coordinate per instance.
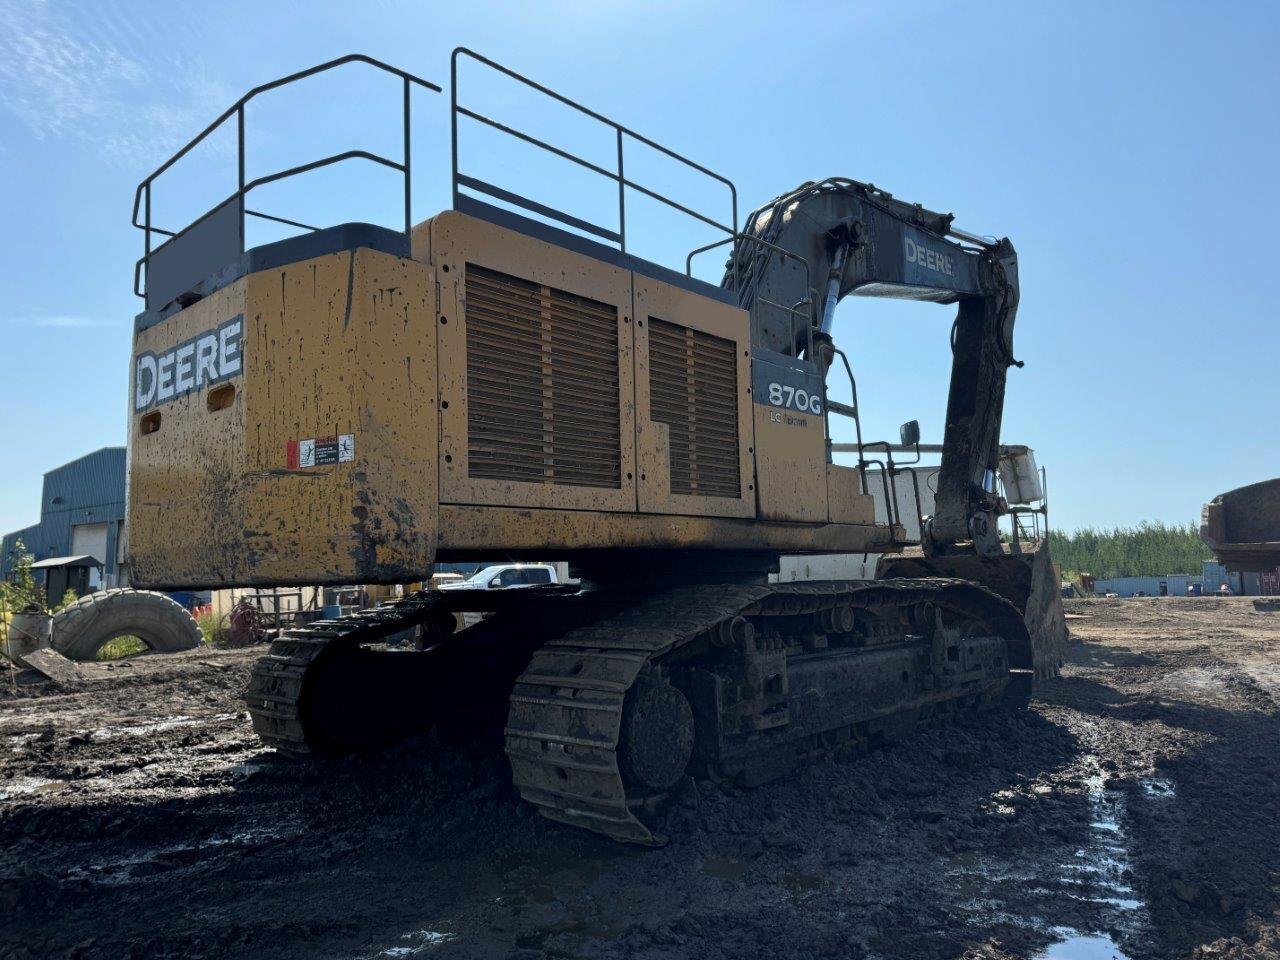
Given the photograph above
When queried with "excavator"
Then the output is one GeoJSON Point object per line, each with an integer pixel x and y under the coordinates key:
{"type": "Point", "coordinates": [506, 380]}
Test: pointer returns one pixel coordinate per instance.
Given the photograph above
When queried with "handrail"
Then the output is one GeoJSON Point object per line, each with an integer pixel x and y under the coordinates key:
{"type": "Point", "coordinates": [784, 253]}
{"type": "Point", "coordinates": [142, 195]}
{"type": "Point", "coordinates": [792, 312]}
{"type": "Point", "coordinates": [857, 417]}
{"type": "Point", "coordinates": [889, 468]}
{"type": "Point", "coordinates": [316, 164]}
{"type": "Point", "coordinates": [891, 488]}
{"type": "Point", "coordinates": [529, 138]}
{"type": "Point", "coordinates": [142, 205]}
{"type": "Point", "coordinates": [889, 472]}
{"type": "Point", "coordinates": [617, 175]}
{"type": "Point", "coordinates": [1035, 513]}
{"type": "Point", "coordinates": [263, 88]}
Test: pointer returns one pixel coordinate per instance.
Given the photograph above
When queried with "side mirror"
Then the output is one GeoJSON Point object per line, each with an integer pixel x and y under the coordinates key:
{"type": "Point", "coordinates": [909, 432]}
{"type": "Point", "coordinates": [495, 582]}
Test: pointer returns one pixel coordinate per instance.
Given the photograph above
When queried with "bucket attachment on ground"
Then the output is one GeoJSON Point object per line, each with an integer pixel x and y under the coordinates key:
{"type": "Point", "coordinates": [1028, 580]}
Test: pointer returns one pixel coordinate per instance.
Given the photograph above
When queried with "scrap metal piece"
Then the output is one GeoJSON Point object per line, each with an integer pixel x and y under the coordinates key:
{"type": "Point", "coordinates": [53, 665]}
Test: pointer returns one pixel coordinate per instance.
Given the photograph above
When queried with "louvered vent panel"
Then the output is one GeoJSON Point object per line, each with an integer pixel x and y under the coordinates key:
{"type": "Point", "coordinates": [693, 389]}
{"type": "Point", "coordinates": [542, 383]}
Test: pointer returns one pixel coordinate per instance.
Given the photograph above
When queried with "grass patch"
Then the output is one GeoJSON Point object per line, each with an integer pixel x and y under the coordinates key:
{"type": "Point", "coordinates": [121, 647]}
{"type": "Point", "coordinates": [213, 628]}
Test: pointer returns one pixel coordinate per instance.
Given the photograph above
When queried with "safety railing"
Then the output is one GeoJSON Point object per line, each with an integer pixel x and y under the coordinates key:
{"type": "Point", "coordinates": [887, 469]}
{"type": "Point", "coordinates": [221, 230]}
{"type": "Point", "coordinates": [1027, 523]}
{"type": "Point", "coordinates": [217, 236]}
{"type": "Point", "coordinates": [622, 135]}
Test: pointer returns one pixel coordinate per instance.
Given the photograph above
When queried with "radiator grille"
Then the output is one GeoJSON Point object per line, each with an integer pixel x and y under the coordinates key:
{"type": "Point", "coordinates": [693, 389]}
{"type": "Point", "coordinates": [542, 383]}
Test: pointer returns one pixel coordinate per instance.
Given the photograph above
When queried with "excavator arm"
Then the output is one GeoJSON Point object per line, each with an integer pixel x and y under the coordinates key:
{"type": "Point", "coordinates": [806, 250]}
{"type": "Point", "coordinates": [802, 254]}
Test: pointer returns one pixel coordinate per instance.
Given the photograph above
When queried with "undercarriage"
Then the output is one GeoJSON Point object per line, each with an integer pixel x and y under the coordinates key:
{"type": "Point", "coordinates": [610, 697]}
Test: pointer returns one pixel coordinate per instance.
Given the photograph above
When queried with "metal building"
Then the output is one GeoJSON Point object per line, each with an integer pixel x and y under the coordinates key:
{"type": "Point", "coordinates": [1170, 585]}
{"type": "Point", "coordinates": [81, 514]}
{"type": "Point", "coordinates": [1248, 584]}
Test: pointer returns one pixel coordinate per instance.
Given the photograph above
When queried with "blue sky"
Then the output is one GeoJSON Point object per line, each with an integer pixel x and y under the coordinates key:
{"type": "Point", "coordinates": [1129, 150]}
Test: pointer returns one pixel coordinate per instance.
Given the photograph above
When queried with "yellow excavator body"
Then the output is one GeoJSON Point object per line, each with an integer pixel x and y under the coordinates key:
{"type": "Point", "coordinates": [490, 394]}
{"type": "Point", "coordinates": [355, 404]}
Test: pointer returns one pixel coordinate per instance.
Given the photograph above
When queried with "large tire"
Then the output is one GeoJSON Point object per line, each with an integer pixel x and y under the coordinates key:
{"type": "Point", "coordinates": [160, 622]}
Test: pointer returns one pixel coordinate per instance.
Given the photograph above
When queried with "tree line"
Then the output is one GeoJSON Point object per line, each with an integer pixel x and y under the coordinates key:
{"type": "Point", "coordinates": [1152, 548]}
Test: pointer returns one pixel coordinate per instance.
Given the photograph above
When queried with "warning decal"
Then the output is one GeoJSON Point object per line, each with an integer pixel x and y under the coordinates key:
{"type": "Point", "coordinates": [320, 451]}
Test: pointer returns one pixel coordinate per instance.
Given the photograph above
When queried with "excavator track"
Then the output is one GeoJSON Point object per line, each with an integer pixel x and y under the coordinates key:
{"type": "Point", "coordinates": [277, 683]}
{"type": "Point", "coordinates": [320, 689]}
{"type": "Point", "coordinates": [566, 710]}
{"type": "Point", "coordinates": [568, 707]}
{"type": "Point", "coordinates": [600, 691]}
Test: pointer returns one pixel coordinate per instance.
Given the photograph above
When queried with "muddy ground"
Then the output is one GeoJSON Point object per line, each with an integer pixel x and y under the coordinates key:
{"type": "Point", "coordinates": [1134, 812]}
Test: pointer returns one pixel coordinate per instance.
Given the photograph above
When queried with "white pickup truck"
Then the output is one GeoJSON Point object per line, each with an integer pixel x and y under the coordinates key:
{"type": "Point", "coordinates": [506, 575]}
{"type": "Point", "coordinates": [500, 576]}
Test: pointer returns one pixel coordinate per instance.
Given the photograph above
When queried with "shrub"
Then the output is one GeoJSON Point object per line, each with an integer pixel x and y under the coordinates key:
{"type": "Point", "coordinates": [21, 592]}
{"type": "Point", "coordinates": [213, 628]}
{"type": "Point", "coordinates": [121, 647]}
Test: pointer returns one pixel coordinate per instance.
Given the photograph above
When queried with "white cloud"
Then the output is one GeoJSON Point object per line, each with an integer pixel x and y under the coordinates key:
{"type": "Point", "coordinates": [62, 79]}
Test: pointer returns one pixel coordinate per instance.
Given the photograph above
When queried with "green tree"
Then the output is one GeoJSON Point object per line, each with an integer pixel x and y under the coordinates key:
{"type": "Point", "coordinates": [21, 592]}
{"type": "Point", "coordinates": [1150, 549]}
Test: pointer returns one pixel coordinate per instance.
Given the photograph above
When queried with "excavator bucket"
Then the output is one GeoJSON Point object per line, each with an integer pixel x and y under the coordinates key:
{"type": "Point", "coordinates": [1242, 527]}
{"type": "Point", "coordinates": [1028, 580]}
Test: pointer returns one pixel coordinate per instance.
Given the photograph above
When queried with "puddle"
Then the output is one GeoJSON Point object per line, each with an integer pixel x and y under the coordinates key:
{"type": "Point", "coordinates": [1095, 873]}
{"type": "Point", "coordinates": [26, 786]}
{"type": "Point", "coordinates": [139, 729]}
{"type": "Point", "coordinates": [420, 941]}
{"type": "Point", "coordinates": [1105, 858]}
{"type": "Point", "coordinates": [1075, 945]}
{"type": "Point", "coordinates": [122, 870]}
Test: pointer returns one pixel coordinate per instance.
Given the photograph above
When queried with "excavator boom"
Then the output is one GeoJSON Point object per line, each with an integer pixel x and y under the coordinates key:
{"type": "Point", "coordinates": [861, 241]}
{"type": "Point", "coordinates": [858, 240]}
